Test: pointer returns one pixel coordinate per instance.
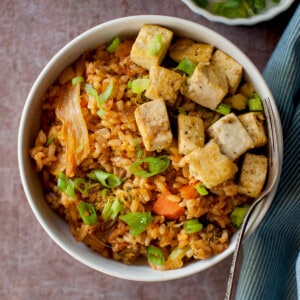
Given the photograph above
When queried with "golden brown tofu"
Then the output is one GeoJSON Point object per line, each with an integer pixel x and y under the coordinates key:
{"type": "Point", "coordinates": [231, 135]}
{"type": "Point", "coordinates": [227, 65]}
{"type": "Point", "coordinates": [253, 174]}
{"type": "Point", "coordinates": [209, 165]}
{"type": "Point", "coordinates": [164, 84]}
{"type": "Point", "coordinates": [195, 52]}
{"type": "Point", "coordinates": [140, 49]}
{"type": "Point", "coordinates": [154, 125]}
{"type": "Point", "coordinates": [207, 86]}
{"type": "Point", "coordinates": [190, 133]}
{"type": "Point", "coordinates": [254, 124]}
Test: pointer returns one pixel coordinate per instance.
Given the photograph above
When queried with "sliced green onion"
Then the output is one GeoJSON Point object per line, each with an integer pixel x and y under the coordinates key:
{"type": "Point", "coordinates": [111, 209]}
{"type": "Point", "coordinates": [51, 139]}
{"type": "Point", "coordinates": [155, 165]}
{"type": "Point", "coordinates": [81, 185]}
{"type": "Point", "coordinates": [155, 256]}
{"type": "Point", "coordinates": [186, 66]}
{"type": "Point", "coordinates": [223, 109]}
{"type": "Point", "coordinates": [77, 79]}
{"type": "Point", "coordinates": [139, 151]}
{"type": "Point", "coordinates": [254, 103]}
{"type": "Point", "coordinates": [137, 222]}
{"type": "Point", "coordinates": [87, 213]}
{"type": "Point", "coordinates": [106, 179]}
{"type": "Point", "coordinates": [101, 113]}
{"type": "Point", "coordinates": [238, 214]}
{"type": "Point", "coordinates": [201, 189]}
{"type": "Point", "coordinates": [192, 226]}
{"type": "Point", "coordinates": [139, 85]}
{"type": "Point", "coordinates": [103, 193]}
{"type": "Point", "coordinates": [155, 44]}
{"type": "Point", "coordinates": [89, 89]}
{"type": "Point", "coordinates": [176, 256]}
{"type": "Point", "coordinates": [115, 43]}
{"type": "Point", "coordinates": [106, 94]}
{"type": "Point", "coordinates": [66, 185]}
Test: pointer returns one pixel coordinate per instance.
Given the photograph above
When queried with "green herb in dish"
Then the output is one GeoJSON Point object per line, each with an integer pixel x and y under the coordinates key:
{"type": "Point", "coordinates": [234, 8]}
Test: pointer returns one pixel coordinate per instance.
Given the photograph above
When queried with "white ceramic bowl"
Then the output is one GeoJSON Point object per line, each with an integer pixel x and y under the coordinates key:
{"type": "Point", "coordinates": [56, 227]}
{"type": "Point", "coordinates": [271, 11]}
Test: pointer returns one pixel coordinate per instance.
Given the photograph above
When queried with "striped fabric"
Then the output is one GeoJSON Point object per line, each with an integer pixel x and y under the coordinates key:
{"type": "Point", "coordinates": [269, 270]}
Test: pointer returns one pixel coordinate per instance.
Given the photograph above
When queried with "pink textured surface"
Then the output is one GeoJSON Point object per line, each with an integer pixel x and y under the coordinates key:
{"type": "Point", "coordinates": [31, 32]}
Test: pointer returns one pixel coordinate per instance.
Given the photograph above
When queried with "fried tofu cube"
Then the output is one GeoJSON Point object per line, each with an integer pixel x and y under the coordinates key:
{"type": "Point", "coordinates": [254, 124]}
{"type": "Point", "coordinates": [227, 65]}
{"type": "Point", "coordinates": [253, 174]}
{"type": "Point", "coordinates": [164, 84]}
{"type": "Point", "coordinates": [207, 86]}
{"type": "Point", "coordinates": [231, 135]}
{"type": "Point", "coordinates": [195, 52]}
{"type": "Point", "coordinates": [190, 133]}
{"type": "Point", "coordinates": [154, 125]}
{"type": "Point", "coordinates": [209, 165]}
{"type": "Point", "coordinates": [140, 49]}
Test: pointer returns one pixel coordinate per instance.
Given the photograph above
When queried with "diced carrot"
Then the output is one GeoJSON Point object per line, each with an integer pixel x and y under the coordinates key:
{"type": "Point", "coordinates": [188, 191]}
{"type": "Point", "coordinates": [167, 208]}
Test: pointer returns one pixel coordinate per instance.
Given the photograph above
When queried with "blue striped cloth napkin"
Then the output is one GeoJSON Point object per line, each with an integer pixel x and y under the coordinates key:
{"type": "Point", "coordinates": [271, 264]}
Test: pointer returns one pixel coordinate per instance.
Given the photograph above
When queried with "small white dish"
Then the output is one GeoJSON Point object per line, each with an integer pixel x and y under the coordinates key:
{"type": "Point", "coordinates": [271, 11]}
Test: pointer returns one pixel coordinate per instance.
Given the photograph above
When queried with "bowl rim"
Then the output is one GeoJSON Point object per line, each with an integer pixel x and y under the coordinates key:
{"type": "Point", "coordinates": [258, 18]}
{"type": "Point", "coordinates": [42, 211]}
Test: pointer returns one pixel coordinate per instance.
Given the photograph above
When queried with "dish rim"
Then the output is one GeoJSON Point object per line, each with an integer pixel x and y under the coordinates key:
{"type": "Point", "coordinates": [58, 230]}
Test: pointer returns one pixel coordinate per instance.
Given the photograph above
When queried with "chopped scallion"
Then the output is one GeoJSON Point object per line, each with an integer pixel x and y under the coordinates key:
{"type": "Point", "coordinates": [66, 185]}
{"type": "Point", "coordinates": [101, 113]}
{"type": "Point", "coordinates": [238, 214]}
{"type": "Point", "coordinates": [77, 79]}
{"type": "Point", "coordinates": [81, 185]}
{"type": "Point", "coordinates": [137, 222]}
{"type": "Point", "coordinates": [192, 226]}
{"type": "Point", "coordinates": [186, 66]}
{"type": "Point", "coordinates": [155, 165]}
{"type": "Point", "coordinates": [51, 139]}
{"type": "Point", "coordinates": [111, 209]}
{"type": "Point", "coordinates": [87, 213]}
{"type": "Point", "coordinates": [175, 257]}
{"type": "Point", "coordinates": [201, 189]}
{"type": "Point", "coordinates": [106, 94]}
{"type": "Point", "coordinates": [114, 44]}
{"type": "Point", "coordinates": [90, 90]}
{"type": "Point", "coordinates": [223, 109]}
{"type": "Point", "coordinates": [155, 45]}
{"type": "Point", "coordinates": [106, 179]}
{"type": "Point", "coordinates": [139, 151]}
{"type": "Point", "coordinates": [254, 103]}
{"type": "Point", "coordinates": [155, 256]}
{"type": "Point", "coordinates": [139, 85]}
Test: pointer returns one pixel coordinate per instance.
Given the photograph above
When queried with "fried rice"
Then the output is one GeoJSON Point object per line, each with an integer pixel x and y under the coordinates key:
{"type": "Point", "coordinates": [114, 144]}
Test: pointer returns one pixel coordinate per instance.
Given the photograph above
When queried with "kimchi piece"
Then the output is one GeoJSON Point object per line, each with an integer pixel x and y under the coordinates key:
{"type": "Point", "coordinates": [74, 130]}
